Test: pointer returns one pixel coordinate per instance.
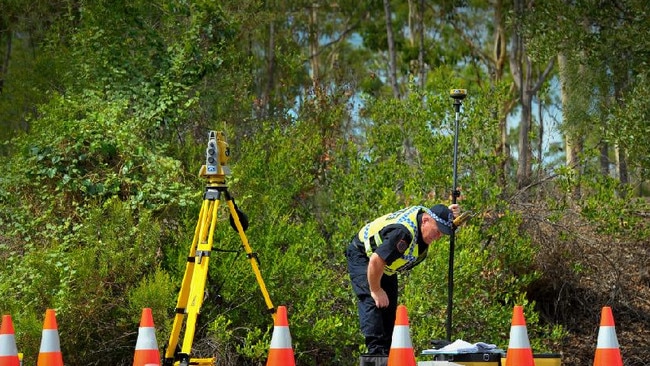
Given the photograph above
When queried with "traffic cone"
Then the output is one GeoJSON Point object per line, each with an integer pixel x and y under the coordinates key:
{"type": "Point", "coordinates": [281, 352]}
{"type": "Point", "coordinates": [519, 351]}
{"type": "Point", "coordinates": [401, 349]}
{"type": "Point", "coordinates": [607, 350]}
{"type": "Point", "coordinates": [146, 349]}
{"type": "Point", "coordinates": [50, 352]}
{"type": "Point", "coordinates": [8, 349]}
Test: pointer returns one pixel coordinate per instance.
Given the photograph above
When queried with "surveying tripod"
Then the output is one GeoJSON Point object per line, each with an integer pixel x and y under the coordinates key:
{"type": "Point", "coordinates": [192, 290]}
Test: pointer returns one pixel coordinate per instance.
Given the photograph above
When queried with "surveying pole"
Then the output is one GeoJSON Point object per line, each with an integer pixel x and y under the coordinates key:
{"type": "Point", "coordinates": [192, 291]}
{"type": "Point", "coordinates": [458, 95]}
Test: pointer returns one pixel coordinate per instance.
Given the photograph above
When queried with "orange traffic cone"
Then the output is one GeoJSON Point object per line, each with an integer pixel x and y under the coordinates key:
{"type": "Point", "coordinates": [519, 351]}
{"type": "Point", "coordinates": [607, 350]}
{"type": "Point", "coordinates": [146, 349]}
{"type": "Point", "coordinates": [281, 352]}
{"type": "Point", "coordinates": [401, 349]}
{"type": "Point", "coordinates": [8, 349]}
{"type": "Point", "coordinates": [50, 352]}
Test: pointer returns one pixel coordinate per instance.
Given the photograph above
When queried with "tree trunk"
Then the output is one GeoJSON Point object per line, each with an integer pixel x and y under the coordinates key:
{"type": "Point", "coordinates": [571, 104]}
{"type": "Point", "coordinates": [569, 155]}
{"type": "Point", "coordinates": [412, 21]}
{"type": "Point", "coordinates": [500, 112]}
{"type": "Point", "coordinates": [621, 165]}
{"type": "Point", "coordinates": [265, 105]}
{"type": "Point", "coordinates": [522, 73]}
{"type": "Point", "coordinates": [621, 78]}
{"type": "Point", "coordinates": [7, 57]}
{"type": "Point", "coordinates": [422, 68]}
{"type": "Point", "coordinates": [604, 158]}
{"type": "Point", "coordinates": [523, 145]}
{"type": "Point", "coordinates": [392, 58]}
{"type": "Point", "coordinates": [603, 148]}
{"type": "Point", "coordinates": [313, 45]}
{"type": "Point", "coordinates": [517, 68]}
{"type": "Point", "coordinates": [540, 143]}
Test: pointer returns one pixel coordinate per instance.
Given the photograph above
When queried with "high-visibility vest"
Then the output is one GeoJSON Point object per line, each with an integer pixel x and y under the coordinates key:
{"type": "Point", "coordinates": [369, 236]}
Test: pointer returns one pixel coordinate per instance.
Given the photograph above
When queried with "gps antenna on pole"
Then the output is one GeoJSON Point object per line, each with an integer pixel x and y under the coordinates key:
{"type": "Point", "coordinates": [458, 95]}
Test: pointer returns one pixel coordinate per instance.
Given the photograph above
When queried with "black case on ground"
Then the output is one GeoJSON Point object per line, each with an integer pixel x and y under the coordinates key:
{"type": "Point", "coordinates": [470, 357]}
{"type": "Point", "coordinates": [367, 360]}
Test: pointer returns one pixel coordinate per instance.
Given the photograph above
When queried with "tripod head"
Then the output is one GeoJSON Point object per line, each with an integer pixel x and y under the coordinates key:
{"type": "Point", "coordinates": [216, 156]}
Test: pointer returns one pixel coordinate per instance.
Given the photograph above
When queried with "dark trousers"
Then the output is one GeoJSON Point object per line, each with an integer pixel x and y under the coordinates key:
{"type": "Point", "coordinates": [376, 324]}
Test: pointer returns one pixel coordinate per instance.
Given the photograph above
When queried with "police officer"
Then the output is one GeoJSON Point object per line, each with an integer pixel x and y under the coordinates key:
{"type": "Point", "coordinates": [392, 243]}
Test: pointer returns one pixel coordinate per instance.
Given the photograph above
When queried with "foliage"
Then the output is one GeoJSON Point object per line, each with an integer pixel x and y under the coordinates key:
{"type": "Point", "coordinates": [82, 152]}
{"type": "Point", "coordinates": [631, 118]}
{"type": "Point", "coordinates": [87, 280]}
{"type": "Point", "coordinates": [291, 246]}
{"type": "Point", "coordinates": [104, 128]}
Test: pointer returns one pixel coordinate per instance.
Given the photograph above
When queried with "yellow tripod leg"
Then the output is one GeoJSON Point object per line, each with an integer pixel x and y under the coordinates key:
{"type": "Point", "coordinates": [183, 295]}
{"type": "Point", "coordinates": [199, 277]}
{"type": "Point", "coordinates": [251, 256]}
{"type": "Point", "coordinates": [192, 291]}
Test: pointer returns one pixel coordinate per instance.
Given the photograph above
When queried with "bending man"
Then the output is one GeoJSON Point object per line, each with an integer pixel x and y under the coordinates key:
{"type": "Point", "coordinates": [392, 243]}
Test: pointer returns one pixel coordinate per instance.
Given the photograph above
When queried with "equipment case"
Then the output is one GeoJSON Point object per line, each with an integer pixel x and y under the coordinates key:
{"type": "Point", "coordinates": [371, 360]}
{"type": "Point", "coordinates": [472, 359]}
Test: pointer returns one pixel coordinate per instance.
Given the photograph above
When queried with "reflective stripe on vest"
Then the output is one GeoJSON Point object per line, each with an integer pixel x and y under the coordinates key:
{"type": "Point", "coordinates": [369, 236]}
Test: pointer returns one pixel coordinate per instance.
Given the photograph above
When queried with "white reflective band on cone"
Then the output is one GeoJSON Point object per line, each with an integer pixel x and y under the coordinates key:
{"type": "Point", "coordinates": [146, 339]}
{"type": "Point", "coordinates": [50, 341]}
{"type": "Point", "coordinates": [607, 338]}
{"type": "Point", "coordinates": [401, 338]}
{"type": "Point", "coordinates": [518, 337]}
{"type": "Point", "coordinates": [281, 337]}
{"type": "Point", "coordinates": [8, 345]}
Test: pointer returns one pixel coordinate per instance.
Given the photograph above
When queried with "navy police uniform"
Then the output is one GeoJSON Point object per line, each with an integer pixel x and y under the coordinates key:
{"type": "Point", "coordinates": [396, 239]}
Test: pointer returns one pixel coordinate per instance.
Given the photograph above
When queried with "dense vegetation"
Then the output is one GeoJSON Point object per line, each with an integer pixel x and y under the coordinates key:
{"type": "Point", "coordinates": [334, 113]}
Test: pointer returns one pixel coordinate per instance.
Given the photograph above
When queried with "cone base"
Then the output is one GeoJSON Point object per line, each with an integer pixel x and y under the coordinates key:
{"type": "Point", "coordinates": [281, 357]}
{"type": "Point", "coordinates": [9, 361]}
{"type": "Point", "coordinates": [143, 358]}
{"type": "Point", "coordinates": [49, 359]}
{"type": "Point", "coordinates": [608, 357]}
{"type": "Point", "coordinates": [401, 357]}
{"type": "Point", "coordinates": [519, 357]}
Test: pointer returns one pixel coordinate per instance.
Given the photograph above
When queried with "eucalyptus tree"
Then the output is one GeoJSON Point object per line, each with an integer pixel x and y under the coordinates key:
{"type": "Point", "coordinates": [601, 64]}
{"type": "Point", "coordinates": [528, 81]}
{"type": "Point", "coordinates": [618, 61]}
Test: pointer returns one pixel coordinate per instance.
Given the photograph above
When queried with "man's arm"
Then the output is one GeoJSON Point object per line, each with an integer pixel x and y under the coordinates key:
{"type": "Point", "coordinates": [375, 271]}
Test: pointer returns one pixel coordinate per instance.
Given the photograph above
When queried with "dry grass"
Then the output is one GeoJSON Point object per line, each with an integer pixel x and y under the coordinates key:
{"type": "Point", "coordinates": [583, 271]}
